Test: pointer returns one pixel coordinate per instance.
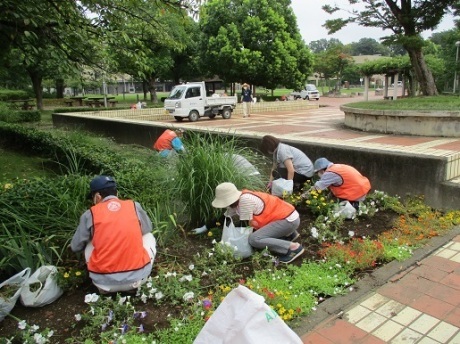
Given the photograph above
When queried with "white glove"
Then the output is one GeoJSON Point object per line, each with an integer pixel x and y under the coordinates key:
{"type": "Point", "coordinates": [200, 230]}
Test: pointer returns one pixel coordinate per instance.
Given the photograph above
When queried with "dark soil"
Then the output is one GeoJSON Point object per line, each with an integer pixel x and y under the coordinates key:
{"type": "Point", "coordinates": [60, 315]}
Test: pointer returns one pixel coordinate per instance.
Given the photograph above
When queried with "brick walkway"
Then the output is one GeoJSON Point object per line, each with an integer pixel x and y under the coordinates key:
{"type": "Point", "coordinates": [420, 305]}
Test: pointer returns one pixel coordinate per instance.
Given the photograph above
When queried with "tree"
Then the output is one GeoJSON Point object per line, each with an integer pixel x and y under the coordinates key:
{"type": "Point", "coordinates": [407, 20]}
{"type": "Point", "coordinates": [323, 44]}
{"type": "Point", "coordinates": [368, 46]}
{"type": "Point", "coordinates": [256, 41]}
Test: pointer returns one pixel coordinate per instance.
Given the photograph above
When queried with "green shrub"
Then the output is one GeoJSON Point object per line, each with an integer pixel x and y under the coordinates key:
{"type": "Point", "coordinates": [13, 94]}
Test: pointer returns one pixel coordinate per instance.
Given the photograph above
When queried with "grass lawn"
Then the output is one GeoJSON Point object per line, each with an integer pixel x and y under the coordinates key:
{"type": "Point", "coordinates": [440, 103]}
{"type": "Point", "coordinates": [15, 165]}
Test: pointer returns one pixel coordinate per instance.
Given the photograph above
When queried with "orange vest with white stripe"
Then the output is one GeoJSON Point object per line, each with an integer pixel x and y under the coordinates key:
{"type": "Point", "coordinates": [117, 238]}
{"type": "Point", "coordinates": [354, 185]}
{"type": "Point", "coordinates": [164, 141]}
{"type": "Point", "coordinates": [274, 209]}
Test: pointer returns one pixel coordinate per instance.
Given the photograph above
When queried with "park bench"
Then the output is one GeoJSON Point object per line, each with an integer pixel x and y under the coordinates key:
{"type": "Point", "coordinates": [388, 97]}
{"type": "Point", "coordinates": [113, 102]}
{"type": "Point", "coordinates": [68, 102]}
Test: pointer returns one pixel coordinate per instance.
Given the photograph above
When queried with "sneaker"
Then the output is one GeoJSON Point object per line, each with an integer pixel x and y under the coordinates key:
{"type": "Point", "coordinates": [291, 255]}
{"type": "Point", "coordinates": [292, 237]}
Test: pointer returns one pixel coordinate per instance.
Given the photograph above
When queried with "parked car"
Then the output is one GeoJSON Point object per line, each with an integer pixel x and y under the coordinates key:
{"type": "Point", "coordinates": [309, 92]}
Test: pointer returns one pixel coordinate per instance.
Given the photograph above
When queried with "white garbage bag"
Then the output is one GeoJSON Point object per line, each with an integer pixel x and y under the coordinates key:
{"type": "Point", "coordinates": [243, 317]}
{"type": "Point", "coordinates": [237, 237]}
{"type": "Point", "coordinates": [10, 290]}
{"type": "Point", "coordinates": [41, 288]}
{"type": "Point", "coordinates": [282, 187]}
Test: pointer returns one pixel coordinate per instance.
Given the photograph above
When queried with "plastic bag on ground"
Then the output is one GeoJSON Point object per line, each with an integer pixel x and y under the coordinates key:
{"type": "Point", "coordinates": [282, 187]}
{"type": "Point", "coordinates": [237, 237]}
{"type": "Point", "coordinates": [345, 209]}
{"type": "Point", "coordinates": [10, 290]}
{"type": "Point", "coordinates": [41, 287]}
{"type": "Point", "coordinates": [243, 317]}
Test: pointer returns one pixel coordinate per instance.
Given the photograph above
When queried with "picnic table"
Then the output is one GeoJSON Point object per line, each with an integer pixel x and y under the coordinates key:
{"type": "Point", "coordinates": [78, 99]}
{"type": "Point", "coordinates": [24, 104]}
{"type": "Point", "coordinates": [97, 101]}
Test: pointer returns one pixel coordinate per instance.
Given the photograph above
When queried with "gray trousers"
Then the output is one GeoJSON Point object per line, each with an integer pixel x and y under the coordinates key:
{"type": "Point", "coordinates": [270, 236]}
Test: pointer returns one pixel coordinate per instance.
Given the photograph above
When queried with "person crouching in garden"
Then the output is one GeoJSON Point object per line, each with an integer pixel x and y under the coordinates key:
{"type": "Point", "coordinates": [344, 181]}
{"type": "Point", "coordinates": [275, 221]}
{"type": "Point", "coordinates": [169, 142]}
{"type": "Point", "coordinates": [116, 236]}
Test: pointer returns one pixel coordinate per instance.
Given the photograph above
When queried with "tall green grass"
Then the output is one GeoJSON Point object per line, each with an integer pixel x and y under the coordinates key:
{"type": "Point", "coordinates": [207, 163]}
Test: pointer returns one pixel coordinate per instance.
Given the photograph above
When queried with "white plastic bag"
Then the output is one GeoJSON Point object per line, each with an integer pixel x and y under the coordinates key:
{"type": "Point", "coordinates": [282, 187]}
{"type": "Point", "coordinates": [10, 290]}
{"type": "Point", "coordinates": [243, 317]}
{"type": "Point", "coordinates": [237, 237]}
{"type": "Point", "coordinates": [41, 288]}
{"type": "Point", "coordinates": [345, 209]}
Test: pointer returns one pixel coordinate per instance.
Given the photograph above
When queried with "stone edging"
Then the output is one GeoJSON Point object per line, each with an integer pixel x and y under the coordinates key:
{"type": "Point", "coordinates": [419, 122]}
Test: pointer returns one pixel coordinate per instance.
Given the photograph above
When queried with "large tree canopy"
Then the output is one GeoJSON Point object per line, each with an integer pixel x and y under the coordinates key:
{"type": "Point", "coordinates": [407, 20]}
{"type": "Point", "coordinates": [256, 41]}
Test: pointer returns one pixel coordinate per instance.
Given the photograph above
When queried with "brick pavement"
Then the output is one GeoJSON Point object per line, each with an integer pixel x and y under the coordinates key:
{"type": "Point", "coordinates": [419, 305]}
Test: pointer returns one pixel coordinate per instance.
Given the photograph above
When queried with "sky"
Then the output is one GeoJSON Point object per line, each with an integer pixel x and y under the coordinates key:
{"type": "Point", "coordinates": [310, 18]}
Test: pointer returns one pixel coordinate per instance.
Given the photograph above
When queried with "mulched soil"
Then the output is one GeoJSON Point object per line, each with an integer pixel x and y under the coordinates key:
{"type": "Point", "coordinates": [59, 316]}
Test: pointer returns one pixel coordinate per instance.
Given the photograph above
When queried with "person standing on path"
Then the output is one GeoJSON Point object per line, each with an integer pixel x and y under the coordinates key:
{"type": "Point", "coordinates": [246, 99]}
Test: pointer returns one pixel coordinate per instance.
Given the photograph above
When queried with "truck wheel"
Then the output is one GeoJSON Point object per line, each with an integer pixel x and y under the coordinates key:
{"type": "Point", "coordinates": [178, 118]}
{"type": "Point", "coordinates": [212, 116]}
{"type": "Point", "coordinates": [226, 113]}
{"type": "Point", "coordinates": [193, 116]}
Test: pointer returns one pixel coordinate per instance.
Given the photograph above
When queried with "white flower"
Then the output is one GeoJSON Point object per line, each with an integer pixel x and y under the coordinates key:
{"type": "Point", "coordinates": [210, 254]}
{"type": "Point", "coordinates": [314, 232]}
{"type": "Point", "coordinates": [91, 298]}
{"type": "Point", "coordinates": [77, 317]}
{"type": "Point", "coordinates": [168, 274]}
{"type": "Point", "coordinates": [188, 296]}
{"type": "Point", "coordinates": [191, 267]}
{"type": "Point", "coordinates": [213, 241]}
{"type": "Point", "coordinates": [351, 233]}
{"type": "Point", "coordinates": [50, 334]}
{"type": "Point", "coordinates": [186, 278]}
{"type": "Point", "coordinates": [34, 328]}
{"type": "Point", "coordinates": [159, 295]}
{"type": "Point", "coordinates": [39, 339]}
{"type": "Point", "coordinates": [122, 300]}
{"type": "Point", "coordinates": [22, 325]}
{"type": "Point", "coordinates": [144, 298]}
{"type": "Point", "coordinates": [204, 273]}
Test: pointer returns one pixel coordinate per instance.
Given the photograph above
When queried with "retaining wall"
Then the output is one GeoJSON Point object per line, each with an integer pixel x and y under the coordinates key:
{"type": "Point", "coordinates": [397, 174]}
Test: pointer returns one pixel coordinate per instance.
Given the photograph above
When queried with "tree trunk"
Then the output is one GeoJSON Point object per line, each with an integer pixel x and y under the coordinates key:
{"type": "Point", "coordinates": [152, 90]}
{"type": "Point", "coordinates": [37, 87]}
{"type": "Point", "coordinates": [422, 72]}
{"type": "Point", "coordinates": [59, 88]}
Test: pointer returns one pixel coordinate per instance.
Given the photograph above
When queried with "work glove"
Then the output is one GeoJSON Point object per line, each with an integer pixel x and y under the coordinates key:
{"type": "Point", "coordinates": [200, 230]}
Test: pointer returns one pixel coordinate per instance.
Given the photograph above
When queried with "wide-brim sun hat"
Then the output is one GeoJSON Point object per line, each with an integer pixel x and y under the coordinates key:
{"type": "Point", "coordinates": [321, 164]}
{"type": "Point", "coordinates": [245, 84]}
{"type": "Point", "coordinates": [226, 194]}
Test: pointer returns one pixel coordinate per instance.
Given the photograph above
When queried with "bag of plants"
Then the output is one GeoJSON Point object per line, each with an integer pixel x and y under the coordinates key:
{"type": "Point", "coordinates": [41, 288]}
{"type": "Point", "coordinates": [237, 237]}
{"type": "Point", "coordinates": [10, 290]}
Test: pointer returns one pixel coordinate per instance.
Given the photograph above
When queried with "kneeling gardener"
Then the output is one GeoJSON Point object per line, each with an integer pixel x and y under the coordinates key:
{"type": "Point", "coordinates": [275, 221]}
{"type": "Point", "coordinates": [116, 236]}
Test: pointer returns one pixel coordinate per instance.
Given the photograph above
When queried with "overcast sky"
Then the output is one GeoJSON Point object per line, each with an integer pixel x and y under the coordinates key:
{"type": "Point", "coordinates": [310, 18]}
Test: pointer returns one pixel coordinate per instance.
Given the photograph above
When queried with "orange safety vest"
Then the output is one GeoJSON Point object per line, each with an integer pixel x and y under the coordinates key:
{"type": "Point", "coordinates": [274, 208]}
{"type": "Point", "coordinates": [117, 238]}
{"type": "Point", "coordinates": [164, 141]}
{"type": "Point", "coordinates": [354, 185]}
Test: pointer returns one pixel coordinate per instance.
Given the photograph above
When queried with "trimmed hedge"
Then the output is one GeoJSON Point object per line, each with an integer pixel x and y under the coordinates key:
{"type": "Point", "coordinates": [20, 116]}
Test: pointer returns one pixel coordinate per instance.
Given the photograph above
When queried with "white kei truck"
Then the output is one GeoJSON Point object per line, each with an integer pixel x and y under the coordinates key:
{"type": "Point", "coordinates": [190, 100]}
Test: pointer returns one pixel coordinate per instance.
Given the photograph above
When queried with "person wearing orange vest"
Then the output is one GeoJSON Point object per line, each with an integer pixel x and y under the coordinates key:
{"type": "Point", "coordinates": [168, 142]}
{"type": "Point", "coordinates": [344, 181]}
{"type": "Point", "coordinates": [116, 236]}
{"type": "Point", "coordinates": [275, 221]}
